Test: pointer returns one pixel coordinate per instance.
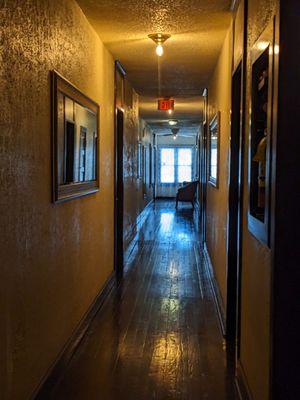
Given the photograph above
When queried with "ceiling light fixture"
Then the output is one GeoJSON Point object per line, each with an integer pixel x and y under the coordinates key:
{"type": "Point", "coordinates": [170, 112]}
{"type": "Point", "coordinates": [159, 50]}
{"type": "Point", "coordinates": [175, 132]}
{"type": "Point", "coordinates": [159, 39]}
{"type": "Point", "coordinates": [173, 122]}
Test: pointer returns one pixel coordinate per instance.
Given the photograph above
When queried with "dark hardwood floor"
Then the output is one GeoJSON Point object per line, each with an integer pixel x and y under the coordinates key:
{"type": "Point", "coordinates": [157, 336]}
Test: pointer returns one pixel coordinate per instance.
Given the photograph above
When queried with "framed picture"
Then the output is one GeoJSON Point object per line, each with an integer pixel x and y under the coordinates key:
{"type": "Point", "coordinates": [75, 134]}
{"type": "Point", "coordinates": [214, 150]}
{"type": "Point", "coordinates": [260, 166]}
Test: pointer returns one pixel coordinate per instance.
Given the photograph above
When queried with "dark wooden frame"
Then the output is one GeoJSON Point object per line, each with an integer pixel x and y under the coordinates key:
{"type": "Point", "coordinates": [77, 189]}
{"type": "Point", "coordinates": [118, 175]}
{"type": "Point", "coordinates": [150, 165]}
{"type": "Point", "coordinates": [285, 216]}
{"type": "Point", "coordinates": [154, 169]}
{"type": "Point", "coordinates": [261, 229]}
{"type": "Point", "coordinates": [144, 169]}
{"type": "Point", "coordinates": [236, 191]}
{"type": "Point", "coordinates": [214, 124]}
{"type": "Point", "coordinates": [203, 166]}
{"type": "Point", "coordinates": [234, 204]}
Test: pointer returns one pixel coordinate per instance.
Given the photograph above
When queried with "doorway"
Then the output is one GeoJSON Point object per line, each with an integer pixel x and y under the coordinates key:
{"type": "Point", "coordinates": [234, 209]}
{"type": "Point", "coordinates": [119, 193]}
{"type": "Point", "coordinates": [202, 146]}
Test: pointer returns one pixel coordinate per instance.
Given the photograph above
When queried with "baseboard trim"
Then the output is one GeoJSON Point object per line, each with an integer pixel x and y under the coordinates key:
{"type": "Point", "coordinates": [215, 291]}
{"type": "Point", "coordinates": [242, 384]}
{"type": "Point", "coordinates": [56, 371]}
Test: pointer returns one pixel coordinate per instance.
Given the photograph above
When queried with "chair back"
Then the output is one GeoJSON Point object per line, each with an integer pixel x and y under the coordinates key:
{"type": "Point", "coordinates": [188, 190]}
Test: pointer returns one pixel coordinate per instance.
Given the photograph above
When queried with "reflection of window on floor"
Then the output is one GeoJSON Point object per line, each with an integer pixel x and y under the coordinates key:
{"type": "Point", "coordinates": [176, 165]}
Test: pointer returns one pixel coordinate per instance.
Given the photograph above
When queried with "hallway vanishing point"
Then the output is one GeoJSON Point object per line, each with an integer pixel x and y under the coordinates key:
{"type": "Point", "coordinates": [157, 336]}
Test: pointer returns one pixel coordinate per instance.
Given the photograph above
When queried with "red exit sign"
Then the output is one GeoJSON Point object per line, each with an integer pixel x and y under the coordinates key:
{"type": "Point", "coordinates": [165, 104]}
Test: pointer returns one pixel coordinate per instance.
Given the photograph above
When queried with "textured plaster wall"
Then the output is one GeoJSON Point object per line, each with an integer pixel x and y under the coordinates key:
{"type": "Point", "coordinates": [238, 44]}
{"type": "Point", "coordinates": [137, 192]}
{"type": "Point", "coordinates": [255, 302]}
{"type": "Point", "coordinates": [219, 97]}
{"type": "Point", "coordinates": [54, 258]}
{"type": "Point", "coordinates": [256, 265]}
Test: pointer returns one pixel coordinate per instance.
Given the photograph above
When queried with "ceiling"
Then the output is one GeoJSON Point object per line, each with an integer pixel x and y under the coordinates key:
{"type": "Point", "coordinates": [188, 113]}
{"type": "Point", "coordinates": [198, 28]}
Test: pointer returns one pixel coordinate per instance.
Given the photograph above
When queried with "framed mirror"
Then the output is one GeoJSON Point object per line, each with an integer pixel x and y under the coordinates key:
{"type": "Point", "coordinates": [75, 133]}
{"type": "Point", "coordinates": [261, 135]}
{"type": "Point", "coordinates": [214, 150]}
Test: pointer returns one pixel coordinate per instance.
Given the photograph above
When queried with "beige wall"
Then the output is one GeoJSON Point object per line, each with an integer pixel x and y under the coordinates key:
{"type": "Point", "coordinates": [219, 97]}
{"type": "Point", "coordinates": [54, 258]}
{"type": "Point", "coordinates": [256, 263]}
{"type": "Point", "coordinates": [137, 191]}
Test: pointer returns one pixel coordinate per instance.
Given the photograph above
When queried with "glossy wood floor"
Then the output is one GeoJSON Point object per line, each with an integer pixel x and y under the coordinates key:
{"type": "Point", "coordinates": [157, 336]}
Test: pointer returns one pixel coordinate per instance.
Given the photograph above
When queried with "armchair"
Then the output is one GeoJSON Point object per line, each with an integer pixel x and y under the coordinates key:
{"type": "Point", "coordinates": [187, 193]}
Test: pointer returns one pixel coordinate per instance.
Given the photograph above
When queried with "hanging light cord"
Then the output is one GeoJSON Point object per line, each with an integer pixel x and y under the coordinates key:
{"type": "Point", "coordinates": [159, 76]}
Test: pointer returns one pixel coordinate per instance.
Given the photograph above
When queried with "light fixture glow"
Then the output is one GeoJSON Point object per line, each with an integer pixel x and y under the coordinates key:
{"type": "Point", "coordinates": [159, 39]}
{"type": "Point", "coordinates": [159, 50]}
{"type": "Point", "coordinates": [262, 45]}
{"type": "Point", "coordinates": [172, 122]}
{"type": "Point", "coordinates": [174, 137]}
{"type": "Point", "coordinates": [170, 112]}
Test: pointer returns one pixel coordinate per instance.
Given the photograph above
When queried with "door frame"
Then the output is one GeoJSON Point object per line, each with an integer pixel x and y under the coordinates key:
{"type": "Point", "coordinates": [202, 146]}
{"type": "Point", "coordinates": [118, 175]}
{"type": "Point", "coordinates": [235, 208]}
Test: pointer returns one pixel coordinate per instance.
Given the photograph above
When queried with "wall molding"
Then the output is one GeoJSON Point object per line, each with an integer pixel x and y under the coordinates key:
{"type": "Point", "coordinates": [241, 383]}
{"type": "Point", "coordinates": [55, 372]}
{"type": "Point", "coordinates": [215, 290]}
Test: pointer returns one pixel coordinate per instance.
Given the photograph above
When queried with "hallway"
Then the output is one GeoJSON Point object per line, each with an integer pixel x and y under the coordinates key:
{"type": "Point", "coordinates": [110, 111]}
{"type": "Point", "coordinates": [157, 336]}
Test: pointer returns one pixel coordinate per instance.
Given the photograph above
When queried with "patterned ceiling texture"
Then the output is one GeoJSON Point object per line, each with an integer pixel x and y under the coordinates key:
{"type": "Point", "coordinates": [198, 28]}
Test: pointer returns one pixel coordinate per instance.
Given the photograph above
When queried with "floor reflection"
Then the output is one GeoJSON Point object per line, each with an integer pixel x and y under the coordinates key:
{"type": "Point", "coordinates": [166, 221]}
{"type": "Point", "coordinates": [157, 337]}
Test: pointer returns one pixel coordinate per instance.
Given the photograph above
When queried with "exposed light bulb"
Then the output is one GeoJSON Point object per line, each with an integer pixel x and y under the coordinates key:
{"type": "Point", "coordinates": [174, 137]}
{"type": "Point", "coordinates": [172, 122]}
{"type": "Point", "coordinates": [159, 50]}
{"type": "Point", "coordinates": [170, 112]}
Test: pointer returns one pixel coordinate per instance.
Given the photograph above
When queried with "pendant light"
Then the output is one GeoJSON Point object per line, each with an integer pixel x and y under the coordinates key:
{"type": "Point", "coordinates": [159, 39]}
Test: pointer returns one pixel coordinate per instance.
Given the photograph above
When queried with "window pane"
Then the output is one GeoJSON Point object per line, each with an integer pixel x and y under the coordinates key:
{"type": "Point", "coordinates": [213, 160]}
{"type": "Point", "coordinates": [184, 173]}
{"type": "Point", "coordinates": [167, 156]}
{"type": "Point", "coordinates": [167, 174]}
{"type": "Point", "coordinates": [184, 157]}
